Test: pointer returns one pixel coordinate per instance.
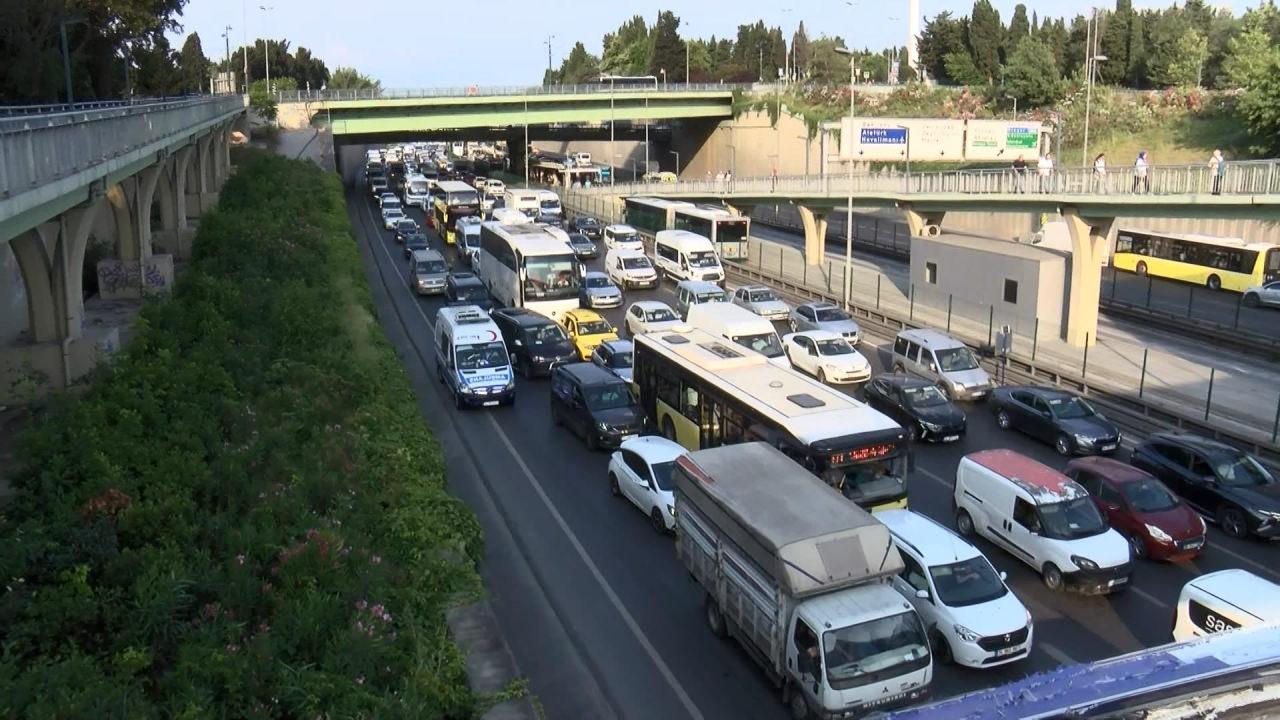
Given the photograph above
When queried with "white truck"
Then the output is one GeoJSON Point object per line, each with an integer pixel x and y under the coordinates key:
{"type": "Point", "coordinates": [801, 578]}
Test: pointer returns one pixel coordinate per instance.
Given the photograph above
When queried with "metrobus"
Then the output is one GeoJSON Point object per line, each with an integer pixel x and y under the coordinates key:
{"type": "Point", "coordinates": [653, 214]}
{"type": "Point", "coordinates": [702, 391]}
{"type": "Point", "coordinates": [726, 231]}
{"type": "Point", "coordinates": [1214, 262]}
{"type": "Point", "coordinates": [526, 266]}
{"type": "Point", "coordinates": [453, 199]}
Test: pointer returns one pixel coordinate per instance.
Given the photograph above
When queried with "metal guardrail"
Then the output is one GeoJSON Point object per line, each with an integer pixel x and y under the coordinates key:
{"type": "Point", "coordinates": [1244, 177]}
{"type": "Point", "coordinates": [38, 149]}
{"type": "Point", "coordinates": [10, 111]}
{"type": "Point", "coordinates": [498, 91]}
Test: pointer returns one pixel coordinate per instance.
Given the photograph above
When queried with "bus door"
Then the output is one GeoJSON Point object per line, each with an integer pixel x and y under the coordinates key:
{"type": "Point", "coordinates": [1271, 271]}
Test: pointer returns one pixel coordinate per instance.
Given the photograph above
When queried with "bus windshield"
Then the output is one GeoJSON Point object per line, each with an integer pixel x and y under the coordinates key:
{"type": "Point", "coordinates": [870, 482]}
{"type": "Point", "coordinates": [705, 258]}
{"type": "Point", "coordinates": [550, 277]}
{"type": "Point", "coordinates": [462, 198]}
{"type": "Point", "coordinates": [872, 651]}
{"type": "Point", "coordinates": [766, 344]}
{"type": "Point", "coordinates": [481, 356]}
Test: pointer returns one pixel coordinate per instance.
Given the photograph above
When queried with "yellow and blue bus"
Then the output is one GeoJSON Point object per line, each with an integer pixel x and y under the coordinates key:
{"type": "Point", "coordinates": [1217, 263]}
{"type": "Point", "coordinates": [701, 391]}
{"type": "Point", "coordinates": [453, 199]}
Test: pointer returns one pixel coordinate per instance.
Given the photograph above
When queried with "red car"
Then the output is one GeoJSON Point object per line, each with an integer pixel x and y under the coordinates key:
{"type": "Point", "coordinates": [1157, 523]}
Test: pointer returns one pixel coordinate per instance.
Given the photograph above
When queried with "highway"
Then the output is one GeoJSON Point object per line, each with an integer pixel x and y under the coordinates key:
{"type": "Point", "coordinates": [602, 618]}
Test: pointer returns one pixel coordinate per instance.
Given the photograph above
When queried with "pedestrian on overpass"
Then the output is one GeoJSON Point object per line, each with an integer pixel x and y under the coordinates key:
{"type": "Point", "coordinates": [1140, 170]}
{"type": "Point", "coordinates": [1020, 175]}
{"type": "Point", "coordinates": [1217, 168]}
{"type": "Point", "coordinates": [1100, 173]}
{"type": "Point", "coordinates": [1044, 168]}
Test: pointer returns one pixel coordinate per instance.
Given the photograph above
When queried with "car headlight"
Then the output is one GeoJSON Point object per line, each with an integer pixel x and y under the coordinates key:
{"type": "Point", "coordinates": [1157, 534]}
{"type": "Point", "coordinates": [510, 384]}
{"type": "Point", "coordinates": [1084, 563]}
{"type": "Point", "coordinates": [671, 510]}
{"type": "Point", "coordinates": [465, 390]}
{"type": "Point", "coordinates": [603, 427]}
{"type": "Point", "coordinates": [1084, 439]}
{"type": "Point", "coordinates": [932, 427]}
{"type": "Point", "coordinates": [965, 633]}
{"type": "Point", "coordinates": [1266, 514]}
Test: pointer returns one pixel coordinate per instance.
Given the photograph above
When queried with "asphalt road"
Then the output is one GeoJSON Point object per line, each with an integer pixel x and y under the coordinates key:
{"type": "Point", "coordinates": [600, 615]}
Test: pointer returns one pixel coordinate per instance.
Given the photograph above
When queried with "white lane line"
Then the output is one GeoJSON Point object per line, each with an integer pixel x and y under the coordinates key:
{"type": "Point", "coordinates": [1053, 652]}
{"type": "Point", "coordinates": [1264, 569]}
{"type": "Point", "coordinates": [934, 477]}
{"type": "Point", "coordinates": [634, 626]}
{"type": "Point", "coordinates": [1148, 597]}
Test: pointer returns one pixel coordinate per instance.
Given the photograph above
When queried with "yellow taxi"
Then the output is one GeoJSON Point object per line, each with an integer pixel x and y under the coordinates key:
{"type": "Point", "coordinates": [587, 329]}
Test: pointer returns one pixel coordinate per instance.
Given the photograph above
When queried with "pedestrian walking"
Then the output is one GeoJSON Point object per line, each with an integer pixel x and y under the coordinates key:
{"type": "Point", "coordinates": [1100, 173]}
{"type": "Point", "coordinates": [1217, 168]}
{"type": "Point", "coordinates": [1141, 168]}
{"type": "Point", "coordinates": [1044, 168]}
{"type": "Point", "coordinates": [1020, 175]}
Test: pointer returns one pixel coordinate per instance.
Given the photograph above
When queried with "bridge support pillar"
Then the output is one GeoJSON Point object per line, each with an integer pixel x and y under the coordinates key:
{"type": "Point", "coordinates": [201, 192]}
{"type": "Point", "coordinates": [1088, 249]}
{"type": "Point", "coordinates": [174, 235]}
{"type": "Point", "coordinates": [815, 234]}
{"type": "Point", "coordinates": [135, 271]}
{"type": "Point", "coordinates": [923, 223]}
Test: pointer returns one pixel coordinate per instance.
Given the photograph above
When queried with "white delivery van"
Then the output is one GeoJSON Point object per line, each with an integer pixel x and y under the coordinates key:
{"type": "Point", "coordinates": [739, 326]}
{"type": "Point", "coordinates": [1043, 518]}
{"type": "Point", "coordinates": [494, 187]}
{"type": "Point", "coordinates": [469, 243]}
{"type": "Point", "coordinates": [471, 358]}
{"type": "Point", "coordinates": [523, 200]}
{"type": "Point", "coordinates": [416, 191]}
{"type": "Point", "coordinates": [623, 237]}
{"type": "Point", "coordinates": [581, 159]}
{"type": "Point", "coordinates": [682, 255]}
{"type": "Point", "coordinates": [549, 205]}
{"type": "Point", "coordinates": [801, 578]}
{"type": "Point", "coordinates": [1225, 600]}
{"type": "Point", "coordinates": [630, 269]}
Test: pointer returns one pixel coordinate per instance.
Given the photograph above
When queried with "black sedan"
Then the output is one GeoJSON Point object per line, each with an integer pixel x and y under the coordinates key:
{"type": "Point", "coordinates": [917, 405]}
{"type": "Point", "coordinates": [405, 228]}
{"type": "Point", "coordinates": [1217, 479]}
{"type": "Point", "coordinates": [1057, 417]}
{"type": "Point", "coordinates": [414, 241]}
{"type": "Point", "coordinates": [586, 225]}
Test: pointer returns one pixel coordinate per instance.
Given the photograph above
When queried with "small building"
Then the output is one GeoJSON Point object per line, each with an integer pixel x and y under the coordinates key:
{"type": "Point", "coordinates": [974, 275]}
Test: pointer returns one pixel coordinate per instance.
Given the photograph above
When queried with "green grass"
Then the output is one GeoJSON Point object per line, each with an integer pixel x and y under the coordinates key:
{"type": "Point", "coordinates": [1182, 140]}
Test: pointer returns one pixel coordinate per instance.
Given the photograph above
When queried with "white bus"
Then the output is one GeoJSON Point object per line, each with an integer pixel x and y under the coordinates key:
{"type": "Point", "coordinates": [416, 190]}
{"type": "Point", "coordinates": [526, 266]}
{"type": "Point", "coordinates": [702, 391]}
{"type": "Point", "coordinates": [653, 214]}
{"type": "Point", "coordinates": [726, 231]}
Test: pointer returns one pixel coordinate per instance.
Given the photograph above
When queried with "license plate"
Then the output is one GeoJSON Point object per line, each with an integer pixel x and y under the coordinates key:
{"type": "Point", "coordinates": [1117, 581]}
{"type": "Point", "coordinates": [1192, 544]}
{"type": "Point", "coordinates": [490, 403]}
{"type": "Point", "coordinates": [1108, 448]}
{"type": "Point", "coordinates": [1008, 651]}
{"type": "Point", "coordinates": [950, 438]}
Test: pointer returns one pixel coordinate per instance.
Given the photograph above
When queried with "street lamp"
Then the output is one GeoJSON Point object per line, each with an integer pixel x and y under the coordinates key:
{"type": "Point", "coordinates": [66, 53]}
{"type": "Point", "coordinates": [673, 152]}
{"type": "Point", "coordinates": [266, 47]}
{"type": "Point", "coordinates": [1092, 69]}
{"type": "Point", "coordinates": [611, 79]}
{"type": "Point", "coordinates": [848, 221]}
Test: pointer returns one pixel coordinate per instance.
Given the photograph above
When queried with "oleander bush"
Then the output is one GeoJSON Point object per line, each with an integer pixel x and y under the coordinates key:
{"type": "Point", "coordinates": [244, 516]}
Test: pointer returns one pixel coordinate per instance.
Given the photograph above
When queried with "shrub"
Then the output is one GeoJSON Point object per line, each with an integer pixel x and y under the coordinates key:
{"type": "Point", "coordinates": [244, 516]}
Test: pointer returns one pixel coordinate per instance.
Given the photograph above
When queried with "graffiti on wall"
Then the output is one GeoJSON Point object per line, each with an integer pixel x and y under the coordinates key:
{"type": "Point", "coordinates": [132, 279]}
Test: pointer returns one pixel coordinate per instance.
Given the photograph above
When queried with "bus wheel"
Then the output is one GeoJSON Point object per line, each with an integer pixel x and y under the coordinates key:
{"type": "Point", "coordinates": [1141, 269]}
{"type": "Point", "coordinates": [669, 430]}
{"type": "Point", "coordinates": [1213, 283]}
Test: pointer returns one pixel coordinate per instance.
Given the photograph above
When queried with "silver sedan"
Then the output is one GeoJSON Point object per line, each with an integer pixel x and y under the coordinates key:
{"type": "Point", "coordinates": [825, 316]}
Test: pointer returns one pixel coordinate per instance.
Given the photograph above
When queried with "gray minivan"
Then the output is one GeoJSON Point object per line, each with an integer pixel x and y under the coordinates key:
{"type": "Point", "coordinates": [936, 356]}
{"type": "Point", "coordinates": [429, 272]}
{"type": "Point", "coordinates": [696, 292]}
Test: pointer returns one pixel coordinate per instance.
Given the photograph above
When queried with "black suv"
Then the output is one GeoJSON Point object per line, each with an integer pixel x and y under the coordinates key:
{"type": "Point", "coordinates": [586, 225]}
{"type": "Point", "coordinates": [595, 404]}
{"type": "Point", "coordinates": [917, 405]}
{"type": "Point", "coordinates": [466, 289]}
{"type": "Point", "coordinates": [535, 342]}
{"type": "Point", "coordinates": [1217, 479]}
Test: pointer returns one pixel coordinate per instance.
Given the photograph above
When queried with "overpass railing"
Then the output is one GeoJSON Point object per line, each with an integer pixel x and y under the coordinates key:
{"type": "Point", "coordinates": [11, 111]}
{"type": "Point", "coordinates": [481, 91]}
{"type": "Point", "coordinates": [1245, 177]}
{"type": "Point", "coordinates": [38, 149]}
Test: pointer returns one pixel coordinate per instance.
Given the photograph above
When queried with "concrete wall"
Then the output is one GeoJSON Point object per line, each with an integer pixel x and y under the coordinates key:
{"type": "Point", "coordinates": [13, 297]}
{"type": "Point", "coordinates": [751, 146]}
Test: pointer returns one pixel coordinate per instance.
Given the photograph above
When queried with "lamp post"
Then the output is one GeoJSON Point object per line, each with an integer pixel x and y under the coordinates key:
{"type": "Point", "coordinates": [1092, 69]}
{"type": "Point", "coordinates": [547, 42]}
{"type": "Point", "coordinates": [848, 221]}
{"type": "Point", "coordinates": [266, 48]}
{"type": "Point", "coordinates": [226, 37]}
{"type": "Point", "coordinates": [66, 54]}
{"type": "Point", "coordinates": [611, 79]}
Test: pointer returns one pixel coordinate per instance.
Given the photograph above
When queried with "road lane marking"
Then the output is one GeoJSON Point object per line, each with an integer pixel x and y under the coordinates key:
{"type": "Point", "coordinates": [1053, 652]}
{"type": "Point", "coordinates": [1241, 558]}
{"type": "Point", "coordinates": [616, 601]}
{"type": "Point", "coordinates": [1148, 597]}
{"type": "Point", "coordinates": [934, 477]}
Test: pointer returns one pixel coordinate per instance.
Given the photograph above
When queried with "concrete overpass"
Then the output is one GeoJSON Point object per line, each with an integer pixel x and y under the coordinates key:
{"type": "Point", "coordinates": [64, 177]}
{"type": "Point", "coordinates": [1089, 204]}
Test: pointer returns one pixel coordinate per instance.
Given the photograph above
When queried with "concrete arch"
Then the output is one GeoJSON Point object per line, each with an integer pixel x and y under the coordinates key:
{"type": "Point", "coordinates": [34, 251]}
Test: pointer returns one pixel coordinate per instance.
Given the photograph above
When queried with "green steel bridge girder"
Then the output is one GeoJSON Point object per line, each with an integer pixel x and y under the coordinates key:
{"type": "Point", "coordinates": [357, 117]}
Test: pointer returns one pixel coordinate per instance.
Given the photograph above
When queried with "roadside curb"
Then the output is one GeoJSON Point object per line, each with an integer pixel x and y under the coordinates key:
{"type": "Point", "coordinates": [491, 667]}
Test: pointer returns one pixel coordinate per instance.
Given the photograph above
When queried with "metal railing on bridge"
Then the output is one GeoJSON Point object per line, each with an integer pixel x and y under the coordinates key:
{"type": "Point", "coordinates": [12, 111]}
{"type": "Point", "coordinates": [1245, 177]}
{"type": "Point", "coordinates": [498, 91]}
{"type": "Point", "coordinates": [41, 148]}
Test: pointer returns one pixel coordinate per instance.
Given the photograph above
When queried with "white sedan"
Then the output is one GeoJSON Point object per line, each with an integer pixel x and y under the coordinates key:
{"type": "Point", "coordinates": [651, 316]}
{"type": "Point", "coordinates": [827, 356]}
{"type": "Point", "coordinates": [640, 470]}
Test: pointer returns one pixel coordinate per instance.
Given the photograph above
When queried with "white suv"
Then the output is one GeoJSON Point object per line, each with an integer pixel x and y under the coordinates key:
{"type": "Point", "coordinates": [974, 619]}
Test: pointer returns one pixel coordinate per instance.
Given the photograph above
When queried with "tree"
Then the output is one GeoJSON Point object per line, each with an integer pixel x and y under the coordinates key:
{"type": "Point", "coordinates": [825, 64]}
{"type": "Point", "coordinates": [1018, 29]}
{"type": "Point", "coordinates": [626, 52]}
{"type": "Point", "coordinates": [668, 49]}
{"type": "Point", "coordinates": [1249, 52]}
{"type": "Point", "coordinates": [309, 71]}
{"type": "Point", "coordinates": [193, 66]}
{"type": "Point", "coordinates": [263, 102]}
{"type": "Point", "coordinates": [1187, 64]}
{"type": "Point", "coordinates": [1177, 51]}
{"type": "Point", "coordinates": [1115, 43]}
{"type": "Point", "coordinates": [578, 67]}
{"type": "Point", "coordinates": [941, 36]}
{"type": "Point", "coordinates": [799, 49]}
{"type": "Point", "coordinates": [1077, 46]}
{"type": "Point", "coordinates": [345, 78]}
{"type": "Point", "coordinates": [1260, 107]}
{"type": "Point", "coordinates": [962, 71]}
{"type": "Point", "coordinates": [1032, 74]}
{"type": "Point", "coordinates": [1136, 72]}
{"type": "Point", "coordinates": [984, 36]}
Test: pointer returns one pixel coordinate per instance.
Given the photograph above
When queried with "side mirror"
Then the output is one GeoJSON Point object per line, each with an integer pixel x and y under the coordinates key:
{"type": "Point", "coordinates": [922, 594]}
{"type": "Point", "coordinates": [518, 342]}
{"type": "Point", "coordinates": [1004, 575]}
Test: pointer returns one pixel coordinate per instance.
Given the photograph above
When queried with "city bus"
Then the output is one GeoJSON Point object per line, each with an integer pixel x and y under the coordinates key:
{"type": "Point", "coordinates": [653, 214]}
{"type": "Point", "coordinates": [1214, 262]}
{"type": "Point", "coordinates": [726, 231]}
{"type": "Point", "coordinates": [453, 199]}
{"type": "Point", "coordinates": [702, 391]}
{"type": "Point", "coordinates": [526, 266]}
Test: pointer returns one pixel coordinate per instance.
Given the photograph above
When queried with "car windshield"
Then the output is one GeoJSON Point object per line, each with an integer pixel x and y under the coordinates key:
{"type": "Point", "coordinates": [407, 226]}
{"type": "Point", "coordinates": [1072, 519]}
{"type": "Point", "coordinates": [968, 582]}
{"type": "Point", "coordinates": [705, 258]}
{"type": "Point", "coordinates": [390, 204]}
{"type": "Point", "coordinates": [550, 204]}
{"type": "Point", "coordinates": [762, 296]}
{"type": "Point", "coordinates": [610, 397]}
{"type": "Point", "coordinates": [660, 315]}
{"type": "Point", "coordinates": [636, 263]}
{"type": "Point", "coordinates": [620, 360]}
{"type": "Point", "coordinates": [472, 292]}
{"type": "Point", "coordinates": [482, 355]}
{"type": "Point", "coordinates": [548, 277]}
{"type": "Point", "coordinates": [831, 315]}
{"type": "Point", "coordinates": [956, 359]}
{"type": "Point", "coordinates": [626, 238]}
{"type": "Point", "coordinates": [598, 282]}
{"type": "Point", "coordinates": [833, 346]}
{"type": "Point", "coordinates": [548, 334]}
{"type": "Point", "coordinates": [587, 222]}
{"type": "Point", "coordinates": [662, 474]}
{"type": "Point", "coordinates": [714, 296]}
{"type": "Point", "coordinates": [426, 267]}
{"type": "Point", "coordinates": [594, 327]}
{"type": "Point", "coordinates": [766, 344]}
{"type": "Point", "coordinates": [1240, 470]}
{"type": "Point", "coordinates": [924, 396]}
{"type": "Point", "coordinates": [580, 239]}
{"type": "Point", "coordinates": [1148, 495]}
{"type": "Point", "coordinates": [1070, 408]}
{"type": "Point", "coordinates": [462, 198]}
{"type": "Point", "coordinates": [871, 651]}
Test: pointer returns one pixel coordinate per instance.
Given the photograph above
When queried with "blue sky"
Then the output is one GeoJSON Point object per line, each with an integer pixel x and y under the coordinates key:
{"type": "Point", "coordinates": [426, 43]}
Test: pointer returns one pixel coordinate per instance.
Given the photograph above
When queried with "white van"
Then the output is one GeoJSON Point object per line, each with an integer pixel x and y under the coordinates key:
{"type": "Point", "coordinates": [1043, 518]}
{"type": "Point", "coordinates": [696, 292]}
{"type": "Point", "coordinates": [740, 326]}
{"type": "Point", "coordinates": [581, 159]}
{"type": "Point", "coordinates": [938, 357]}
{"type": "Point", "coordinates": [469, 243]}
{"type": "Point", "coordinates": [522, 199]}
{"type": "Point", "coordinates": [509, 216]}
{"type": "Point", "coordinates": [630, 269]}
{"type": "Point", "coordinates": [494, 187]}
{"type": "Point", "coordinates": [471, 358]}
{"type": "Point", "coordinates": [682, 255]}
{"type": "Point", "coordinates": [1225, 600]}
{"type": "Point", "coordinates": [416, 190]}
{"type": "Point", "coordinates": [549, 205]}
{"type": "Point", "coordinates": [622, 237]}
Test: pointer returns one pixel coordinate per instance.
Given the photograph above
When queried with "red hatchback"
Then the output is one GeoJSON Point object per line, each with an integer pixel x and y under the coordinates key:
{"type": "Point", "coordinates": [1157, 523]}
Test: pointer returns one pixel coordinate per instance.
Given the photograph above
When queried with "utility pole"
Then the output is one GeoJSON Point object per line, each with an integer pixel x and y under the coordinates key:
{"type": "Point", "coordinates": [266, 48]}
{"type": "Point", "coordinates": [547, 42]}
{"type": "Point", "coordinates": [226, 37]}
{"type": "Point", "coordinates": [66, 54]}
{"type": "Point", "coordinates": [848, 222]}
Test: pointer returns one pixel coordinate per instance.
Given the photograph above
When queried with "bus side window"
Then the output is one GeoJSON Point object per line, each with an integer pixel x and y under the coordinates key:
{"type": "Point", "coordinates": [712, 425]}
{"type": "Point", "coordinates": [668, 391]}
{"type": "Point", "coordinates": [689, 406]}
